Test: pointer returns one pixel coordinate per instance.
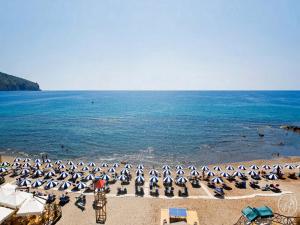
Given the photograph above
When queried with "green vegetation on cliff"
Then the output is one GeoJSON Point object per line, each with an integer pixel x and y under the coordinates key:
{"type": "Point", "coordinates": [12, 83]}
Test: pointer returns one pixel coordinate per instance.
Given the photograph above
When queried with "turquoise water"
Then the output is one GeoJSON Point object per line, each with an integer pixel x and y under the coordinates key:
{"type": "Point", "coordinates": [149, 127]}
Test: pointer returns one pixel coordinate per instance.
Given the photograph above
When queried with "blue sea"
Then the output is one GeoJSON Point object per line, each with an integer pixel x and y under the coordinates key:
{"type": "Point", "coordinates": [152, 127]}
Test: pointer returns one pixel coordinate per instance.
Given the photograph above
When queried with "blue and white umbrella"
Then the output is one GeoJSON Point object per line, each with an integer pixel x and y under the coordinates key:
{"type": "Point", "coordinates": [116, 165]}
{"type": "Point", "coordinates": [204, 168]}
{"type": "Point", "coordinates": [76, 176]}
{"type": "Point", "coordinates": [65, 185]}
{"type": "Point", "coordinates": [254, 167]}
{"type": "Point", "coordinates": [194, 173]}
{"type": "Point", "coordinates": [16, 164]}
{"type": "Point", "coordinates": [192, 167]}
{"type": "Point", "coordinates": [49, 174]}
{"type": "Point", "coordinates": [122, 178]}
{"type": "Point", "coordinates": [37, 164]}
{"type": "Point", "coordinates": [238, 174]}
{"type": "Point", "coordinates": [85, 168]}
{"type": "Point", "coordinates": [168, 180]}
{"type": "Point", "coordinates": [139, 172]}
{"type": "Point", "coordinates": [140, 179]}
{"type": "Point", "coordinates": [124, 172]}
{"type": "Point", "coordinates": [140, 167]}
{"type": "Point", "coordinates": [96, 169]}
{"type": "Point", "coordinates": [242, 167]}
{"type": "Point", "coordinates": [25, 172]}
{"type": "Point", "coordinates": [290, 167]}
{"type": "Point", "coordinates": [266, 167]}
{"type": "Point", "coordinates": [166, 167]}
{"type": "Point", "coordinates": [128, 166]}
{"type": "Point", "coordinates": [166, 173]}
{"type": "Point", "coordinates": [24, 183]}
{"type": "Point", "coordinates": [62, 166]}
{"type": "Point", "coordinates": [179, 172]}
{"type": "Point", "coordinates": [105, 177]}
{"type": "Point", "coordinates": [37, 183]}
{"type": "Point", "coordinates": [179, 167]}
{"type": "Point", "coordinates": [38, 173]}
{"type": "Point", "coordinates": [277, 166]}
{"type": "Point", "coordinates": [37, 161]}
{"type": "Point", "coordinates": [51, 184]}
{"type": "Point", "coordinates": [217, 168]}
{"type": "Point", "coordinates": [27, 160]}
{"type": "Point", "coordinates": [153, 172]}
{"type": "Point", "coordinates": [272, 177]}
{"type": "Point", "coordinates": [90, 177]}
{"type": "Point", "coordinates": [26, 165]}
{"type": "Point", "coordinates": [252, 173]}
{"type": "Point", "coordinates": [181, 180]}
{"type": "Point", "coordinates": [57, 162]}
{"type": "Point", "coordinates": [217, 180]}
{"type": "Point", "coordinates": [223, 174]}
{"type": "Point", "coordinates": [80, 164]}
{"type": "Point", "coordinates": [81, 186]}
{"type": "Point", "coordinates": [104, 165]}
{"type": "Point", "coordinates": [48, 161]}
{"type": "Point", "coordinates": [210, 174]}
{"type": "Point", "coordinates": [63, 175]}
{"type": "Point", "coordinates": [3, 170]}
{"type": "Point", "coordinates": [73, 167]}
{"type": "Point", "coordinates": [112, 170]}
{"type": "Point", "coordinates": [229, 167]}
{"type": "Point", "coordinates": [153, 179]}
{"type": "Point", "coordinates": [49, 165]}
{"type": "Point", "coordinates": [17, 160]}
{"type": "Point", "coordinates": [92, 164]}
{"type": "Point", "coordinates": [70, 163]}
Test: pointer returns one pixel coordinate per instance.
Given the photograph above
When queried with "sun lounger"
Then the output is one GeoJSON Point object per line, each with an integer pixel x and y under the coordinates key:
{"type": "Point", "coordinates": [122, 191]}
{"type": "Point", "coordinates": [2, 180]}
{"type": "Point", "coordinates": [195, 183]}
{"type": "Point", "coordinates": [211, 185]}
{"type": "Point", "coordinates": [250, 214]}
{"type": "Point", "coordinates": [266, 188]}
{"type": "Point", "coordinates": [241, 185]}
{"type": "Point", "coordinates": [292, 176]}
{"type": "Point", "coordinates": [80, 202]}
{"type": "Point", "coordinates": [275, 188]}
{"type": "Point", "coordinates": [226, 187]}
{"type": "Point", "coordinates": [64, 200]}
{"type": "Point", "coordinates": [219, 192]}
{"type": "Point", "coordinates": [169, 191]}
{"type": "Point", "coordinates": [183, 193]}
{"type": "Point", "coordinates": [264, 212]}
{"type": "Point", "coordinates": [51, 198]}
{"type": "Point", "coordinates": [254, 184]}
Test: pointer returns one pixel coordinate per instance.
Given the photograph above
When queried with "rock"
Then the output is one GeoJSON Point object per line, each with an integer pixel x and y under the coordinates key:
{"type": "Point", "coordinates": [291, 128]}
{"type": "Point", "coordinates": [12, 83]}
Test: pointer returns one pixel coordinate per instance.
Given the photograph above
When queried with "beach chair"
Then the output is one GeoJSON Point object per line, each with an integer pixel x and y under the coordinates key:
{"type": "Point", "coordinates": [250, 214]}
{"type": "Point", "coordinates": [63, 200]}
{"type": "Point", "coordinates": [80, 202]}
{"type": "Point", "coordinates": [275, 188]}
{"type": "Point", "coordinates": [2, 180]}
{"type": "Point", "coordinates": [292, 176]}
{"type": "Point", "coordinates": [266, 188]}
{"type": "Point", "coordinates": [219, 192]}
{"type": "Point", "coordinates": [51, 198]}
{"type": "Point", "coordinates": [211, 185]}
{"type": "Point", "coordinates": [169, 191]}
{"type": "Point", "coordinates": [226, 187]}
{"type": "Point", "coordinates": [195, 183]}
{"type": "Point", "coordinates": [241, 185]}
{"type": "Point", "coordinates": [254, 185]}
{"type": "Point", "coordinates": [183, 193]}
{"type": "Point", "coordinates": [264, 212]}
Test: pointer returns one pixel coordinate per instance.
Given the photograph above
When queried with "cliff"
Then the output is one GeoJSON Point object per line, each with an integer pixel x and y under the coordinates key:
{"type": "Point", "coordinates": [12, 83]}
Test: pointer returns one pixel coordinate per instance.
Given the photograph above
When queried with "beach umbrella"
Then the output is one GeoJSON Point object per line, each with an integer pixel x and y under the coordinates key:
{"type": "Point", "coordinates": [272, 177]}
{"type": "Point", "coordinates": [96, 169]}
{"type": "Point", "coordinates": [63, 175]}
{"type": "Point", "coordinates": [104, 165]}
{"type": "Point", "coordinates": [205, 168]}
{"type": "Point", "coordinates": [139, 172]}
{"type": "Point", "coordinates": [252, 173]}
{"type": "Point", "coordinates": [242, 167]}
{"type": "Point", "coordinates": [17, 160]}
{"type": "Point", "coordinates": [124, 172]}
{"type": "Point", "coordinates": [122, 178]}
{"type": "Point", "coordinates": [85, 168]}
{"type": "Point", "coordinates": [27, 160]}
{"type": "Point", "coordinates": [223, 174]}
{"type": "Point", "coordinates": [92, 164]}
{"type": "Point", "coordinates": [80, 186]}
{"type": "Point", "coordinates": [179, 172]}
{"type": "Point", "coordinates": [3, 170]}
{"type": "Point", "coordinates": [48, 161]}
{"type": "Point", "coordinates": [25, 172]}
{"type": "Point", "coordinates": [80, 164]}
{"type": "Point", "coordinates": [24, 183]}
{"type": "Point", "coordinates": [116, 165]}
{"type": "Point", "coordinates": [254, 167]}
{"type": "Point", "coordinates": [238, 174]}
{"type": "Point", "coordinates": [140, 179]}
{"type": "Point", "coordinates": [277, 166]}
{"type": "Point", "coordinates": [38, 173]}
{"type": "Point", "coordinates": [37, 161]}
{"type": "Point", "coordinates": [57, 162]}
{"type": "Point", "coordinates": [49, 165]}
{"type": "Point", "coordinates": [73, 167]}
{"type": "Point", "coordinates": [16, 164]}
{"type": "Point", "coordinates": [229, 167]}
{"type": "Point", "coordinates": [153, 179]}
{"type": "Point", "coordinates": [128, 166]}
{"type": "Point", "coordinates": [217, 168]}
{"type": "Point", "coordinates": [191, 167]}
{"type": "Point", "coordinates": [37, 183]}
{"type": "Point", "coordinates": [76, 176]}
{"type": "Point", "coordinates": [49, 174]}
{"type": "Point", "coordinates": [166, 173]}
{"type": "Point", "coordinates": [62, 166]}
{"type": "Point", "coordinates": [37, 164]}
{"type": "Point", "coordinates": [217, 180]}
{"type": "Point", "coordinates": [168, 180]}
{"type": "Point", "coordinates": [298, 166]}
{"type": "Point", "coordinates": [112, 170]}
{"type": "Point", "coordinates": [90, 177]}
{"type": "Point", "coordinates": [290, 167]}
{"type": "Point", "coordinates": [26, 165]}
{"type": "Point", "coordinates": [105, 177]}
{"type": "Point", "coordinates": [166, 167]}
{"type": "Point", "coordinates": [181, 180]}
{"type": "Point", "coordinates": [179, 167]}
{"type": "Point", "coordinates": [70, 163]}
{"type": "Point", "coordinates": [266, 167]}
{"type": "Point", "coordinates": [210, 174]}
{"type": "Point", "coordinates": [51, 184]}
{"type": "Point", "coordinates": [65, 185]}
{"type": "Point", "coordinates": [153, 172]}
{"type": "Point", "coordinates": [140, 167]}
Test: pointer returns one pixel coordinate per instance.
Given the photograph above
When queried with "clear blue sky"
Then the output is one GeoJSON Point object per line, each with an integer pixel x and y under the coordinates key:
{"type": "Point", "coordinates": [152, 44]}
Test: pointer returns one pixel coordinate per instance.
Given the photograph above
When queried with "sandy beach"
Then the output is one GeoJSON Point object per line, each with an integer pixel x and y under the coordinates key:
{"type": "Point", "coordinates": [129, 209]}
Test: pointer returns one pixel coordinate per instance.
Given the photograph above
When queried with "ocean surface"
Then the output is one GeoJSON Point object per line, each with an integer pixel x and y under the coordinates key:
{"type": "Point", "coordinates": [150, 127]}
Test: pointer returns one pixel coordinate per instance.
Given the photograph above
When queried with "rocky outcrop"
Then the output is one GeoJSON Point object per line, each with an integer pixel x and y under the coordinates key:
{"type": "Point", "coordinates": [12, 83]}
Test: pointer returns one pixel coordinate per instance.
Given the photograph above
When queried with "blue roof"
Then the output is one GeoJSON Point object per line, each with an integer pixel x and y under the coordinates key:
{"type": "Point", "coordinates": [177, 212]}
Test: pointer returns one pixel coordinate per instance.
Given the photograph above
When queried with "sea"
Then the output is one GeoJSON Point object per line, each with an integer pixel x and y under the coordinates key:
{"type": "Point", "coordinates": [150, 127]}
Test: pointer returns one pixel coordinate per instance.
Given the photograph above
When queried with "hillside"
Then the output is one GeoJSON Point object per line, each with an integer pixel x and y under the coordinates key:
{"type": "Point", "coordinates": [12, 83]}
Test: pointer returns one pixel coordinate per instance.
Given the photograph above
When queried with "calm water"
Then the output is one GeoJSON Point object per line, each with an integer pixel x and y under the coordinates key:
{"type": "Point", "coordinates": [149, 127]}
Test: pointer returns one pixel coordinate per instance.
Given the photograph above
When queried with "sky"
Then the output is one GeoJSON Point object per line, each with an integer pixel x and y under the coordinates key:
{"type": "Point", "coordinates": [152, 44]}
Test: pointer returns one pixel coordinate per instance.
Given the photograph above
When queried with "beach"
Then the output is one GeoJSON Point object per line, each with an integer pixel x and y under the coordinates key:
{"type": "Point", "coordinates": [129, 209]}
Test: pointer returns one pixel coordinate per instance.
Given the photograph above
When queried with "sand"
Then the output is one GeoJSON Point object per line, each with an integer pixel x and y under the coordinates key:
{"type": "Point", "coordinates": [131, 210]}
